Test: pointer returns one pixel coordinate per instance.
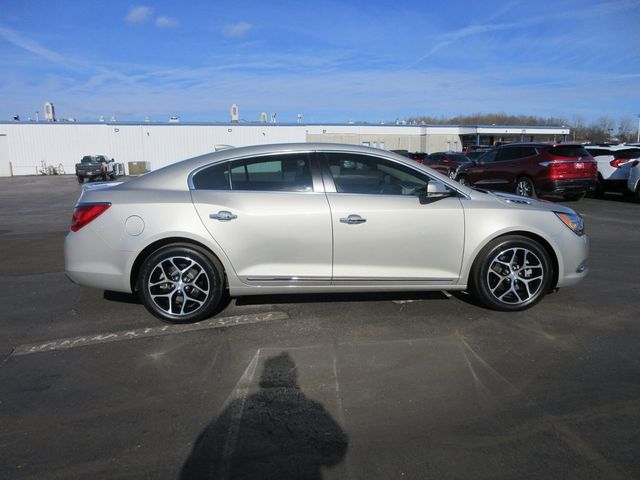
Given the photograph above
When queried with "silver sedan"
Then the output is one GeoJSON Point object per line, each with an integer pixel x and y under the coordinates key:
{"type": "Point", "coordinates": [307, 218]}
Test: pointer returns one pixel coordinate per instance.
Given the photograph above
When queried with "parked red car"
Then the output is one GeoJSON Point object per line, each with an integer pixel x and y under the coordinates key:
{"type": "Point", "coordinates": [445, 162]}
{"type": "Point", "coordinates": [531, 169]}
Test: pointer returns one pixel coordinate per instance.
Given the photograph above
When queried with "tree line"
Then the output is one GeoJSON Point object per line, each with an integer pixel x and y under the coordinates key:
{"type": "Point", "coordinates": [604, 129]}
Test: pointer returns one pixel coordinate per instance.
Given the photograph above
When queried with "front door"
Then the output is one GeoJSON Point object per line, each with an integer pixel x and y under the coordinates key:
{"type": "Point", "coordinates": [382, 233]}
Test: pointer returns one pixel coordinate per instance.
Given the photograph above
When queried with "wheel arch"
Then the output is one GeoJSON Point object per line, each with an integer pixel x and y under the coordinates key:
{"type": "Point", "coordinates": [163, 242]}
{"type": "Point", "coordinates": [532, 236]}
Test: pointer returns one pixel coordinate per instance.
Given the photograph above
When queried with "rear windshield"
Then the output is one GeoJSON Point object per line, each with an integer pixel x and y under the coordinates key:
{"type": "Point", "coordinates": [459, 158]}
{"type": "Point", "coordinates": [568, 151]}
{"type": "Point", "coordinates": [86, 159]}
{"type": "Point", "coordinates": [627, 153]}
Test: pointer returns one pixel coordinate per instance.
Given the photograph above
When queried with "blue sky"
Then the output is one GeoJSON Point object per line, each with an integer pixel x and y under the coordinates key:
{"type": "Point", "coordinates": [330, 61]}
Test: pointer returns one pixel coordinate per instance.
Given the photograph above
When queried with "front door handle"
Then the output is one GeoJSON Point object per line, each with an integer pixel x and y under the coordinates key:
{"type": "Point", "coordinates": [223, 216]}
{"type": "Point", "coordinates": [353, 219]}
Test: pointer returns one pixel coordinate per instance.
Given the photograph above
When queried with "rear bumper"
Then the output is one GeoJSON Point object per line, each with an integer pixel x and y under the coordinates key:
{"type": "Point", "coordinates": [568, 186]}
{"type": "Point", "coordinates": [89, 261]}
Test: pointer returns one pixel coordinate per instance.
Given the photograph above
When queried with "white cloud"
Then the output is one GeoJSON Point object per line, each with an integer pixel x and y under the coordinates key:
{"type": "Point", "coordinates": [139, 14]}
{"type": "Point", "coordinates": [237, 30]}
{"type": "Point", "coordinates": [166, 22]}
{"type": "Point", "coordinates": [31, 46]}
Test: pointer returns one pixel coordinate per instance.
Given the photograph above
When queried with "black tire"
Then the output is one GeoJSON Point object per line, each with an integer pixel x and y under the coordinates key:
{"type": "Point", "coordinates": [464, 180]}
{"type": "Point", "coordinates": [573, 197]}
{"type": "Point", "coordinates": [80, 179]}
{"type": "Point", "coordinates": [498, 285]}
{"type": "Point", "coordinates": [526, 188]}
{"type": "Point", "coordinates": [112, 176]}
{"type": "Point", "coordinates": [176, 300]}
{"type": "Point", "coordinates": [599, 191]}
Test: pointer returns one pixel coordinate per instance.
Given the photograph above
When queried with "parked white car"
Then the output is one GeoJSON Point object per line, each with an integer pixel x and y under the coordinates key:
{"type": "Point", "coordinates": [633, 182]}
{"type": "Point", "coordinates": [613, 165]}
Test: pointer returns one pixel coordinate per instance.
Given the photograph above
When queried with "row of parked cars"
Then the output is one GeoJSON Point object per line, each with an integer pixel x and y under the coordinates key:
{"type": "Point", "coordinates": [533, 169]}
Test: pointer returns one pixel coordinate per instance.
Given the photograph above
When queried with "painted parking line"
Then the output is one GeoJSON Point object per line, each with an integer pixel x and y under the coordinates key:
{"type": "Point", "coordinates": [74, 342]}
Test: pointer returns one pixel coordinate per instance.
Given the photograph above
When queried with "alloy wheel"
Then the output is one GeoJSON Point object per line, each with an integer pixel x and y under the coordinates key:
{"type": "Point", "coordinates": [179, 286]}
{"type": "Point", "coordinates": [515, 276]}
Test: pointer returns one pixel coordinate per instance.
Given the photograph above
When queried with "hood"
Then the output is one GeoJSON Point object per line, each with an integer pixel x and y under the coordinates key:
{"type": "Point", "coordinates": [517, 201]}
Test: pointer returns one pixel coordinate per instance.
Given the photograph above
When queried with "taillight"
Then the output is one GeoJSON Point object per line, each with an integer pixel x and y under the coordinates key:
{"type": "Point", "coordinates": [84, 214]}
{"type": "Point", "coordinates": [618, 161]}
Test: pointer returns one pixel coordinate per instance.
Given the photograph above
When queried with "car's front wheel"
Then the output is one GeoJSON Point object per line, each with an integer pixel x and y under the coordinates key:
{"type": "Point", "coordinates": [181, 283]}
{"type": "Point", "coordinates": [464, 181]}
{"type": "Point", "coordinates": [511, 273]}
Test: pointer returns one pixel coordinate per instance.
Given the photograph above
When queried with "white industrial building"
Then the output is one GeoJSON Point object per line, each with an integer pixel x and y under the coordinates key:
{"type": "Point", "coordinates": [25, 147]}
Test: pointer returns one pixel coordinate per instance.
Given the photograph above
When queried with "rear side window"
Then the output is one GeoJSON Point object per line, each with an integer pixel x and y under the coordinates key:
{"type": "Point", "coordinates": [574, 151]}
{"type": "Point", "coordinates": [215, 177]}
{"type": "Point", "coordinates": [275, 173]}
{"type": "Point", "coordinates": [514, 153]}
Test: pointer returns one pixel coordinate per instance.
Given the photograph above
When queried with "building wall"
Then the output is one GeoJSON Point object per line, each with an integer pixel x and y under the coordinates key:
{"type": "Point", "coordinates": [4, 157]}
{"type": "Point", "coordinates": [160, 145]}
{"type": "Point", "coordinates": [26, 145]}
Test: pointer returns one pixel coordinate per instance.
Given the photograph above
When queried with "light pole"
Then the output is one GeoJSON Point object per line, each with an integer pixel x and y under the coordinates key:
{"type": "Point", "coordinates": [638, 135]}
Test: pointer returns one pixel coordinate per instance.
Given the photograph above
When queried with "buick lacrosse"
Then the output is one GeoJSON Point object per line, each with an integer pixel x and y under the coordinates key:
{"type": "Point", "coordinates": [308, 218]}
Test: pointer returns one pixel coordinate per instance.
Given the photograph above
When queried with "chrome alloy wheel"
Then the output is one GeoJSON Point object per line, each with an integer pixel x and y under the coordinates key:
{"type": "Point", "coordinates": [515, 275]}
{"type": "Point", "coordinates": [179, 286]}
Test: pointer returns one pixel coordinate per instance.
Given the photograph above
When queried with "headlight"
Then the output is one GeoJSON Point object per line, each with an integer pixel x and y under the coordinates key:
{"type": "Point", "coordinates": [573, 221]}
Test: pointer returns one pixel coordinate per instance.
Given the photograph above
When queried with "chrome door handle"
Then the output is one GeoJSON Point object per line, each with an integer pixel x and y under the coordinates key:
{"type": "Point", "coordinates": [223, 216]}
{"type": "Point", "coordinates": [353, 219]}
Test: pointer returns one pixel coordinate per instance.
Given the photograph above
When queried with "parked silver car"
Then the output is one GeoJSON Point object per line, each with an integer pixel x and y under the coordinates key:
{"type": "Point", "coordinates": [305, 218]}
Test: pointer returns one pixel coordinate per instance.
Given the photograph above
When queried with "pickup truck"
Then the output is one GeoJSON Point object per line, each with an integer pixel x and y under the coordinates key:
{"type": "Point", "coordinates": [95, 166]}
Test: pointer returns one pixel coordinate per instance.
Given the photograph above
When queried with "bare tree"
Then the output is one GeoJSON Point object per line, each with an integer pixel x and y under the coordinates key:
{"type": "Point", "coordinates": [625, 128]}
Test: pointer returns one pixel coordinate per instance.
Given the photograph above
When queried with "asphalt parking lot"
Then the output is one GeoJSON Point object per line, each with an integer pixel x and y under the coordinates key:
{"type": "Point", "coordinates": [333, 386]}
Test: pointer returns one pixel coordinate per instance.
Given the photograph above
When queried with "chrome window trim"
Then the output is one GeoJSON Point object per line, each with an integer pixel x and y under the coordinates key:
{"type": "Point", "coordinates": [317, 171]}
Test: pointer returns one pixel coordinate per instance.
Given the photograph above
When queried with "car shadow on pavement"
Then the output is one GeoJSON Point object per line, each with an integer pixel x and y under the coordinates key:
{"type": "Point", "coordinates": [275, 433]}
{"type": "Point", "coordinates": [339, 297]}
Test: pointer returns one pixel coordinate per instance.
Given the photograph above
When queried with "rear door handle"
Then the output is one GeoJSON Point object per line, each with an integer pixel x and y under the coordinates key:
{"type": "Point", "coordinates": [353, 219]}
{"type": "Point", "coordinates": [223, 216]}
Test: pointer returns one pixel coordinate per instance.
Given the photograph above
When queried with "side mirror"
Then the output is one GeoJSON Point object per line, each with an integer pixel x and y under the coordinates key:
{"type": "Point", "coordinates": [435, 191]}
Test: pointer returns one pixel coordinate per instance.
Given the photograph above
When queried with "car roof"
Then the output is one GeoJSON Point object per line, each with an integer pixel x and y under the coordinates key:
{"type": "Point", "coordinates": [172, 177]}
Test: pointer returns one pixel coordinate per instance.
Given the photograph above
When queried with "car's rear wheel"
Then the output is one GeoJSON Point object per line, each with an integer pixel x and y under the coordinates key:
{"type": "Point", "coordinates": [464, 181]}
{"type": "Point", "coordinates": [80, 179]}
{"type": "Point", "coordinates": [181, 283]}
{"type": "Point", "coordinates": [511, 273]}
{"type": "Point", "coordinates": [525, 187]}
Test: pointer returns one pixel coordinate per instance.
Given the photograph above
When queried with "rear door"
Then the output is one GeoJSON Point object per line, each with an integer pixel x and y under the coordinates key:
{"type": "Point", "coordinates": [269, 216]}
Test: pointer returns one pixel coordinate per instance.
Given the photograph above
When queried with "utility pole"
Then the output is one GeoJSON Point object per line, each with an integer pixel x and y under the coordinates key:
{"type": "Point", "coordinates": [638, 136]}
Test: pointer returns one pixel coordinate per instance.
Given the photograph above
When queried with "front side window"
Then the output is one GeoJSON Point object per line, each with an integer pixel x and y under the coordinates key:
{"type": "Point", "coordinates": [364, 174]}
{"type": "Point", "coordinates": [510, 153]}
{"type": "Point", "coordinates": [276, 173]}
